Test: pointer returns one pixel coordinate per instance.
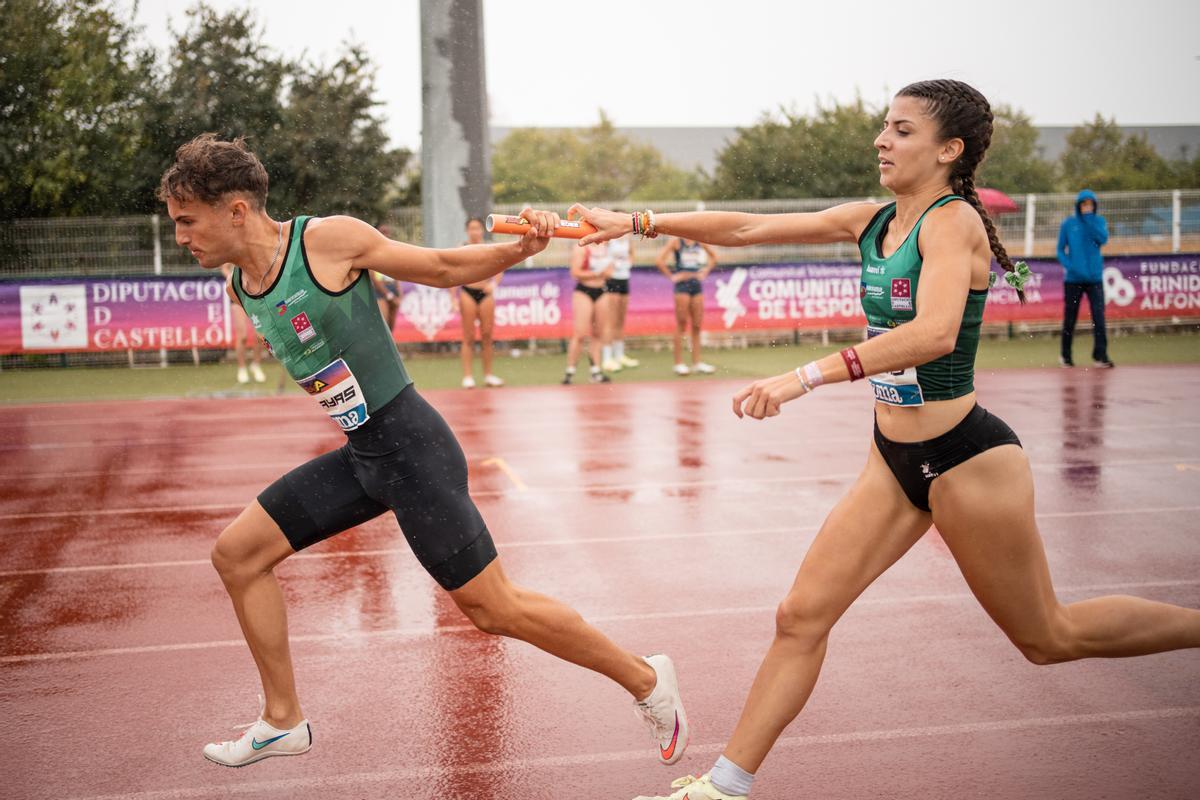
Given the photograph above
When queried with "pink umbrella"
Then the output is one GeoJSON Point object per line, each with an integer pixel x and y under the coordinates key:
{"type": "Point", "coordinates": [996, 201]}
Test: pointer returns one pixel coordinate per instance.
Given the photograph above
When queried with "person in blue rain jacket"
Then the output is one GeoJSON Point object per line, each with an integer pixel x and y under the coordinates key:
{"type": "Point", "coordinates": [1079, 241]}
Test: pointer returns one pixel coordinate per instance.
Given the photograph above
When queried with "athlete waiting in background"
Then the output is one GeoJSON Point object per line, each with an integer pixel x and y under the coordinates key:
{"type": "Point", "coordinates": [476, 303]}
{"type": "Point", "coordinates": [311, 303]}
{"type": "Point", "coordinates": [616, 305]}
{"type": "Point", "coordinates": [690, 262]}
{"type": "Point", "coordinates": [241, 328]}
{"type": "Point", "coordinates": [590, 267]}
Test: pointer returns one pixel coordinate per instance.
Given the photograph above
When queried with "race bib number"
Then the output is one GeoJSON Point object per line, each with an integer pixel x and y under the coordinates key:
{"type": "Point", "coordinates": [339, 395]}
{"type": "Point", "coordinates": [896, 388]}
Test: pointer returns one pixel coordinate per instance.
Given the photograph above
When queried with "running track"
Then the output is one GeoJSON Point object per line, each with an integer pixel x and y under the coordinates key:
{"type": "Point", "coordinates": [655, 513]}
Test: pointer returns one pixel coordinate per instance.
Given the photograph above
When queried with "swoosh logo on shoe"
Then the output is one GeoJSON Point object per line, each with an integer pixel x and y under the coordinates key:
{"type": "Point", "coordinates": [257, 745]}
{"type": "Point", "coordinates": [667, 752]}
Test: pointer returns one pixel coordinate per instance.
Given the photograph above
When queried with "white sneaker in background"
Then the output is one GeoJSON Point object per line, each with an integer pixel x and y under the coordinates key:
{"type": "Point", "coordinates": [243, 375]}
{"type": "Point", "coordinates": [492, 380]}
{"type": "Point", "coordinates": [682, 369]}
{"type": "Point", "coordinates": [261, 741]}
{"type": "Point", "coordinates": [611, 365]}
{"type": "Point", "coordinates": [626, 361]}
{"type": "Point", "coordinates": [703, 368]}
{"type": "Point", "coordinates": [257, 371]}
{"type": "Point", "coordinates": [468, 382]}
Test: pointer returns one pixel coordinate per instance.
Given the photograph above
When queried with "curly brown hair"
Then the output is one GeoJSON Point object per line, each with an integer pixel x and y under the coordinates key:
{"type": "Point", "coordinates": [208, 169]}
{"type": "Point", "coordinates": [962, 112]}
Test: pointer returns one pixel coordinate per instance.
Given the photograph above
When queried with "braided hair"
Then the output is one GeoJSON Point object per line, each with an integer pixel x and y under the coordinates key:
{"type": "Point", "coordinates": [961, 112]}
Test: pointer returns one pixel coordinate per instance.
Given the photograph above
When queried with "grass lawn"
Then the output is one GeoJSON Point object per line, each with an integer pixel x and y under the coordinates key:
{"type": "Point", "coordinates": [443, 371]}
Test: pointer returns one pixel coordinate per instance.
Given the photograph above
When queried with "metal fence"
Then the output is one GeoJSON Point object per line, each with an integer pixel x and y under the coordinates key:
{"type": "Point", "coordinates": [1139, 222]}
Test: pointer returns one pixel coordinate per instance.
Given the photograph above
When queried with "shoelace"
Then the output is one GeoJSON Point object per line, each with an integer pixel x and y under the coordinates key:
{"type": "Point", "coordinates": [262, 707]}
{"type": "Point", "coordinates": [661, 730]}
{"type": "Point", "coordinates": [680, 783]}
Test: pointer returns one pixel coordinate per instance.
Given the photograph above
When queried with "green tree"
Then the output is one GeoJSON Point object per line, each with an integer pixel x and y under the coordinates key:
{"type": "Point", "coordinates": [829, 154]}
{"type": "Point", "coordinates": [1186, 172]}
{"type": "Point", "coordinates": [1014, 163]}
{"type": "Point", "coordinates": [1100, 158]}
{"type": "Point", "coordinates": [337, 151]}
{"type": "Point", "coordinates": [71, 108]}
{"type": "Point", "coordinates": [221, 78]}
{"type": "Point", "coordinates": [598, 163]}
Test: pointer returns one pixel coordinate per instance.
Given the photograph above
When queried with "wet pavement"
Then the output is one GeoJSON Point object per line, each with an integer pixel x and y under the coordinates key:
{"type": "Point", "coordinates": [661, 518]}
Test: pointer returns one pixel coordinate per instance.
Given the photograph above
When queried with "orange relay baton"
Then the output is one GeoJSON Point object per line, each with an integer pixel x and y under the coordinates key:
{"type": "Point", "coordinates": [567, 229]}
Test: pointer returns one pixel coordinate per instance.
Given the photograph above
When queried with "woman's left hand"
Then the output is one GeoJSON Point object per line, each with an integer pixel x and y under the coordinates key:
{"type": "Point", "coordinates": [763, 398]}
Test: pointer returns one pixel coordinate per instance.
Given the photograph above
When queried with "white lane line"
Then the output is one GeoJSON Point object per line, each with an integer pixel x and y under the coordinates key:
{"type": "Point", "coordinates": [359, 637]}
{"type": "Point", "coordinates": [566, 542]}
{"type": "Point", "coordinates": [340, 784]}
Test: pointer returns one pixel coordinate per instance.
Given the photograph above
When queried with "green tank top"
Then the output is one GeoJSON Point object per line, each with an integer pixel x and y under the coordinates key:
{"type": "Point", "coordinates": [336, 345]}
{"type": "Point", "coordinates": [889, 292]}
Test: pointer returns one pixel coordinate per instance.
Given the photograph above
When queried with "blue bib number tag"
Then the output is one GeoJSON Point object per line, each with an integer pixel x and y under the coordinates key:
{"type": "Point", "coordinates": [898, 388]}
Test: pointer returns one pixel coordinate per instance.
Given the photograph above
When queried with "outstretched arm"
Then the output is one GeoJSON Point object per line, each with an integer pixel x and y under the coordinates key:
{"type": "Point", "coordinates": [346, 244]}
{"type": "Point", "coordinates": [841, 223]}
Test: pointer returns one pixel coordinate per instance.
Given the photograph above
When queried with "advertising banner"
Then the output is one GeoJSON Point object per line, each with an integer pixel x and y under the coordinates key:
{"type": "Point", "coordinates": [91, 314]}
{"type": "Point", "coordinates": [180, 313]}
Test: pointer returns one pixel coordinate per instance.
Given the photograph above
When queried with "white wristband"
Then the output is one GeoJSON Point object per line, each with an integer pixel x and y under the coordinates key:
{"type": "Point", "coordinates": [813, 373]}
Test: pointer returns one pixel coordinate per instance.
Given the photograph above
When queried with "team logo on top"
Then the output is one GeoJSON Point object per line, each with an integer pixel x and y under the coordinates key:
{"type": "Point", "coordinates": [901, 294]}
{"type": "Point", "coordinates": [304, 329]}
{"type": "Point", "coordinates": [282, 306]}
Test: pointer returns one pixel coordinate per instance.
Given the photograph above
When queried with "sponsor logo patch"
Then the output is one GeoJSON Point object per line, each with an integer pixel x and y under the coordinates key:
{"type": "Point", "coordinates": [902, 294]}
{"type": "Point", "coordinates": [294, 299]}
{"type": "Point", "coordinates": [304, 329]}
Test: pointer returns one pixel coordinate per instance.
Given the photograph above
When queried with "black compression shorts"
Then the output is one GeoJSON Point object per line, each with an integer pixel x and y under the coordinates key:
{"type": "Point", "coordinates": [689, 286]}
{"type": "Point", "coordinates": [917, 464]}
{"type": "Point", "coordinates": [405, 459]}
{"type": "Point", "coordinates": [617, 286]}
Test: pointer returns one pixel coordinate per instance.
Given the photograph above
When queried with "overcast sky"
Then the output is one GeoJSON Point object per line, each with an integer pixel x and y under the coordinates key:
{"type": "Point", "coordinates": [668, 62]}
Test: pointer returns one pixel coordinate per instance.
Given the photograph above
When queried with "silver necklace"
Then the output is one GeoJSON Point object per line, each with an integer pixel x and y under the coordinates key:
{"type": "Point", "coordinates": [278, 246]}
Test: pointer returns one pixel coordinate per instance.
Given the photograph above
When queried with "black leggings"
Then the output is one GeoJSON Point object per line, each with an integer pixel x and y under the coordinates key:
{"type": "Point", "coordinates": [917, 464]}
{"type": "Point", "coordinates": [405, 459]}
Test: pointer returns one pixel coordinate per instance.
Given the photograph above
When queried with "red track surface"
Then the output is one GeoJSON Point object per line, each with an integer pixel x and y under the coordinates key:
{"type": "Point", "coordinates": [659, 516]}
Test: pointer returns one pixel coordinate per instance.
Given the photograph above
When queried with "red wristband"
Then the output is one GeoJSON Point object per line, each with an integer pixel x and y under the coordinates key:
{"type": "Point", "coordinates": [850, 356]}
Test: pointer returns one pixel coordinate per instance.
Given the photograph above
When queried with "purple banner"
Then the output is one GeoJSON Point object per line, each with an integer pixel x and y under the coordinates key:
{"type": "Point", "coordinates": [114, 314]}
